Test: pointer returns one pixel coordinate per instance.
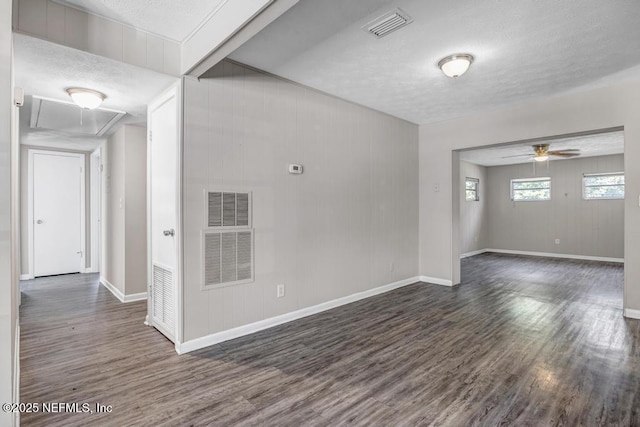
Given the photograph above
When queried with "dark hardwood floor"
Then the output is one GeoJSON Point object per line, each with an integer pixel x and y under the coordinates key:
{"type": "Point", "coordinates": [523, 341]}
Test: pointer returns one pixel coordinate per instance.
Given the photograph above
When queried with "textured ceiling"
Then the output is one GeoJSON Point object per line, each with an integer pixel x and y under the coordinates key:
{"type": "Point", "coordinates": [47, 69]}
{"type": "Point", "coordinates": [172, 19]}
{"type": "Point", "coordinates": [524, 50]}
{"type": "Point", "coordinates": [589, 145]}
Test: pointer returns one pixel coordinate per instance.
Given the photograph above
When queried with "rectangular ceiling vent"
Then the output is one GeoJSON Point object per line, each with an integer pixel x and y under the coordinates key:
{"type": "Point", "coordinates": [388, 23]}
{"type": "Point", "coordinates": [67, 117]}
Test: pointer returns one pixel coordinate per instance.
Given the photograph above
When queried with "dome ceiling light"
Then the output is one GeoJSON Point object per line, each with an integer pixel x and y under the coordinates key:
{"type": "Point", "coordinates": [86, 98]}
{"type": "Point", "coordinates": [455, 65]}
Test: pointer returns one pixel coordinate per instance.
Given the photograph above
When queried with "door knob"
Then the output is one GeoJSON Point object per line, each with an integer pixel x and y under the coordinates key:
{"type": "Point", "coordinates": [169, 232]}
{"type": "Point", "coordinates": [39, 221]}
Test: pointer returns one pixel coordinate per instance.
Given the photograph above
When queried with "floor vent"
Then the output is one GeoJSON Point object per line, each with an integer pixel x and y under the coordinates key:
{"type": "Point", "coordinates": [388, 23]}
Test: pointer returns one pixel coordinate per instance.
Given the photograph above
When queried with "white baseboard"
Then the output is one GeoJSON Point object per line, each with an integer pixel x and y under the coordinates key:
{"type": "Point", "coordinates": [25, 277]}
{"type": "Point", "coordinates": [631, 313]}
{"type": "Point", "coordinates": [115, 291]}
{"type": "Point", "coordinates": [135, 297]}
{"type": "Point", "coordinates": [552, 255]}
{"type": "Point", "coordinates": [118, 294]}
{"type": "Point", "coordinates": [436, 280]}
{"type": "Point", "coordinates": [240, 331]}
{"type": "Point", "coordinates": [473, 253]}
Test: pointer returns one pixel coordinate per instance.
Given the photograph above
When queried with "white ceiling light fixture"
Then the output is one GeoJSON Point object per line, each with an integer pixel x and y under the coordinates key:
{"type": "Point", "coordinates": [541, 158]}
{"type": "Point", "coordinates": [86, 98]}
{"type": "Point", "coordinates": [455, 65]}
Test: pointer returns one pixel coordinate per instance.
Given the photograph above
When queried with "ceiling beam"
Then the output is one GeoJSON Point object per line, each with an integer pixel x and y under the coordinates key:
{"type": "Point", "coordinates": [228, 28]}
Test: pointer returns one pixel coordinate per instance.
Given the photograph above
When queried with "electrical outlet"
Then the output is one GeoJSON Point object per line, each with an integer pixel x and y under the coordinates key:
{"type": "Point", "coordinates": [436, 188]}
{"type": "Point", "coordinates": [392, 266]}
{"type": "Point", "coordinates": [557, 241]}
{"type": "Point", "coordinates": [280, 291]}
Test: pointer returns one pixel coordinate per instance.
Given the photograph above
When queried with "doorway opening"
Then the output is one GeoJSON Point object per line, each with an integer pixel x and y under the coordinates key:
{"type": "Point", "coordinates": [568, 205]}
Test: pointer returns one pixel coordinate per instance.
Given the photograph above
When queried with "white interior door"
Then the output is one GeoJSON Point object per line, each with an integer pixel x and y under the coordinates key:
{"type": "Point", "coordinates": [163, 225]}
{"type": "Point", "coordinates": [57, 204]}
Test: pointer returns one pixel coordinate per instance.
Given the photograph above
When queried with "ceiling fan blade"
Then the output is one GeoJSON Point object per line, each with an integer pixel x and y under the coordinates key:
{"type": "Point", "coordinates": [562, 154]}
{"type": "Point", "coordinates": [568, 150]}
{"type": "Point", "coordinates": [518, 155]}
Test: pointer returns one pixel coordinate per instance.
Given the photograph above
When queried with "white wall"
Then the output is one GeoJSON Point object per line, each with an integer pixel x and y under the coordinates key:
{"type": "Point", "coordinates": [607, 107]}
{"type": "Point", "coordinates": [135, 227]}
{"type": "Point", "coordinates": [124, 210]}
{"type": "Point", "coordinates": [584, 227]}
{"type": "Point", "coordinates": [330, 232]}
{"type": "Point", "coordinates": [113, 255]}
{"type": "Point", "coordinates": [8, 295]}
{"type": "Point", "coordinates": [71, 27]}
{"type": "Point", "coordinates": [474, 227]}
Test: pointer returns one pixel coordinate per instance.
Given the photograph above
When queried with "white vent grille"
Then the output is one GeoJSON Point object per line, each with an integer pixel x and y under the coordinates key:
{"type": "Point", "coordinates": [228, 257]}
{"type": "Point", "coordinates": [225, 209]}
{"type": "Point", "coordinates": [388, 23]}
{"type": "Point", "coordinates": [163, 299]}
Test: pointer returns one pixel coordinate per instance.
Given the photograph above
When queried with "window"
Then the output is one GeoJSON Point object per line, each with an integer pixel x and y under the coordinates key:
{"type": "Point", "coordinates": [531, 189]}
{"type": "Point", "coordinates": [471, 189]}
{"type": "Point", "coordinates": [603, 186]}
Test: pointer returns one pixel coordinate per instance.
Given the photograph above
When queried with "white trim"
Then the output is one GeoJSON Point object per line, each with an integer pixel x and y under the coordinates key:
{"type": "Point", "coordinates": [436, 281]}
{"type": "Point", "coordinates": [16, 371]}
{"type": "Point", "coordinates": [115, 291]}
{"type": "Point", "coordinates": [135, 297]}
{"type": "Point", "coordinates": [553, 255]}
{"type": "Point", "coordinates": [118, 294]}
{"type": "Point", "coordinates": [26, 277]}
{"type": "Point", "coordinates": [30, 194]}
{"type": "Point", "coordinates": [95, 201]}
{"type": "Point", "coordinates": [240, 331]}
{"type": "Point", "coordinates": [631, 313]}
{"type": "Point", "coordinates": [473, 253]}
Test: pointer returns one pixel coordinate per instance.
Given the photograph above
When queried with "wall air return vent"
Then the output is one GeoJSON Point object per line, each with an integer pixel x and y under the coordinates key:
{"type": "Point", "coordinates": [228, 258]}
{"type": "Point", "coordinates": [227, 239]}
{"type": "Point", "coordinates": [226, 209]}
{"type": "Point", "coordinates": [388, 23]}
{"type": "Point", "coordinates": [163, 300]}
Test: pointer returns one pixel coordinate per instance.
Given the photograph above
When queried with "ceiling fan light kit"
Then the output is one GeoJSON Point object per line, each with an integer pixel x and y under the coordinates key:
{"type": "Point", "coordinates": [541, 158]}
{"type": "Point", "coordinates": [455, 65]}
{"type": "Point", "coordinates": [86, 98]}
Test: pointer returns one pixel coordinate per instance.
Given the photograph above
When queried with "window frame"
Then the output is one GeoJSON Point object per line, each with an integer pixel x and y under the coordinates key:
{"type": "Point", "coordinates": [598, 174]}
{"type": "Point", "coordinates": [537, 179]}
{"type": "Point", "coordinates": [476, 190]}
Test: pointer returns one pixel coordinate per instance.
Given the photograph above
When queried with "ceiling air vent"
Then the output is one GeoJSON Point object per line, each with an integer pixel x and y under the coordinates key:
{"type": "Point", "coordinates": [388, 23]}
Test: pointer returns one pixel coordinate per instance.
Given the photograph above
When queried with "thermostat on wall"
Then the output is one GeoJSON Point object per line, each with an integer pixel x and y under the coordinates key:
{"type": "Point", "coordinates": [297, 169]}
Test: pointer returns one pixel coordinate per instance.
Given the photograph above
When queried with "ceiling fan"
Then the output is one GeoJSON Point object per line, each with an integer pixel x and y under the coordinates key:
{"type": "Point", "coordinates": [541, 153]}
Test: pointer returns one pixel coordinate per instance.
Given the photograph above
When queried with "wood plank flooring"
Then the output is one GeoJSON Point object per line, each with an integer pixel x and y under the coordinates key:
{"type": "Point", "coordinates": [523, 341]}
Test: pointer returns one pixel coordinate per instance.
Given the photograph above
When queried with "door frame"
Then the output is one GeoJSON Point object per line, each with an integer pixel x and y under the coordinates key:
{"type": "Point", "coordinates": [174, 91]}
{"type": "Point", "coordinates": [30, 206]}
{"type": "Point", "coordinates": [95, 198]}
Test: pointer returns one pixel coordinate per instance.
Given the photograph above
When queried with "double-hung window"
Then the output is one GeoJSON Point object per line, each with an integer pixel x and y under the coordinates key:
{"type": "Point", "coordinates": [471, 189]}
